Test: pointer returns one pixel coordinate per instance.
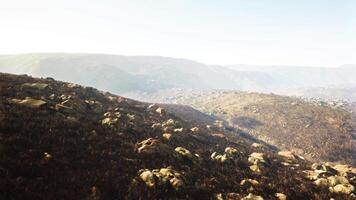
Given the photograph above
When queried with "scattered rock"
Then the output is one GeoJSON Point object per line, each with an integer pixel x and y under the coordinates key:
{"type": "Point", "coordinates": [167, 136]}
{"type": "Point", "coordinates": [158, 178]}
{"type": "Point", "coordinates": [218, 157]}
{"type": "Point", "coordinates": [256, 145]}
{"type": "Point", "coordinates": [47, 156]}
{"type": "Point", "coordinates": [342, 188]}
{"type": "Point", "coordinates": [281, 196]}
{"type": "Point", "coordinates": [255, 168]}
{"type": "Point", "coordinates": [251, 196]}
{"type": "Point", "coordinates": [161, 111]}
{"type": "Point", "coordinates": [231, 151]}
{"type": "Point", "coordinates": [179, 130]}
{"type": "Point", "coordinates": [37, 86]}
{"type": "Point", "coordinates": [156, 125]}
{"type": "Point", "coordinates": [195, 129]}
{"type": "Point", "coordinates": [322, 182]}
{"type": "Point", "coordinates": [249, 182]}
{"type": "Point", "coordinates": [287, 154]}
{"type": "Point", "coordinates": [151, 145]}
{"type": "Point", "coordinates": [28, 102]}
{"type": "Point", "coordinates": [256, 158]}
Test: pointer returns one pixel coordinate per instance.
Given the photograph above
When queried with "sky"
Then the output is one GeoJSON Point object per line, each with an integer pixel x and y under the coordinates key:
{"type": "Point", "coordinates": [263, 32]}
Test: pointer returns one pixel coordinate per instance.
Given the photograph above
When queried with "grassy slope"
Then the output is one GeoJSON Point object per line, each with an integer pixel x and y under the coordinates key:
{"type": "Point", "coordinates": [88, 158]}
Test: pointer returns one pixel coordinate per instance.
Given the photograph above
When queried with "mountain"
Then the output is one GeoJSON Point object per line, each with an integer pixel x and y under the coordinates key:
{"type": "Point", "coordinates": [147, 74]}
{"type": "Point", "coordinates": [293, 77]}
{"type": "Point", "coordinates": [123, 74]}
{"type": "Point", "coordinates": [347, 94]}
{"type": "Point", "coordinates": [61, 140]}
{"type": "Point", "coordinates": [314, 129]}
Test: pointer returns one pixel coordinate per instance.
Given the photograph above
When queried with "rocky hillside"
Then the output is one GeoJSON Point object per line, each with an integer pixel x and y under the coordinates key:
{"type": "Point", "coordinates": [315, 129]}
{"type": "Point", "coordinates": [63, 141]}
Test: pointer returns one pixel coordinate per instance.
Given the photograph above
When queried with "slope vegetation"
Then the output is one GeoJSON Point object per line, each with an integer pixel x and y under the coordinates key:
{"type": "Point", "coordinates": [312, 129]}
{"type": "Point", "coordinates": [64, 141]}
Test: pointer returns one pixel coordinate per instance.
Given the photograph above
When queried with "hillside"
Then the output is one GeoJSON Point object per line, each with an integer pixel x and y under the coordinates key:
{"type": "Point", "coordinates": [147, 74]}
{"type": "Point", "coordinates": [64, 141]}
{"type": "Point", "coordinates": [313, 129]}
{"type": "Point", "coordinates": [122, 74]}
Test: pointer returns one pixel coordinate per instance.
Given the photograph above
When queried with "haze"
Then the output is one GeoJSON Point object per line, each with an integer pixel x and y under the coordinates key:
{"type": "Point", "coordinates": [304, 32]}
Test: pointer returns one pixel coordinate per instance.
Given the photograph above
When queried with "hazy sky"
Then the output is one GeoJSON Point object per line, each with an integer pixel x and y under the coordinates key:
{"type": "Point", "coordinates": [294, 32]}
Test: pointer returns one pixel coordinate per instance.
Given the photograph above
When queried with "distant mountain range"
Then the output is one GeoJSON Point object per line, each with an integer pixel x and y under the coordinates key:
{"type": "Point", "coordinates": [127, 74]}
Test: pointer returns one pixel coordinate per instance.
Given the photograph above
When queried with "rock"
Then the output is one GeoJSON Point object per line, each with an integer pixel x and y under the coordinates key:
{"type": "Point", "coordinates": [161, 111]}
{"type": "Point", "coordinates": [256, 145]}
{"type": "Point", "coordinates": [167, 136]}
{"type": "Point", "coordinates": [47, 156]}
{"type": "Point", "coordinates": [256, 158]}
{"type": "Point", "coordinates": [287, 154]}
{"type": "Point", "coordinates": [109, 122]}
{"type": "Point", "coordinates": [73, 85]}
{"type": "Point", "coordinates": [231, 151]}
{"type": "Point", "coordinates": [131, 117]}
{"type": "Point", "coordinates": [152, 107]}
{"type": "Point", "coordinates": [179, 130]}
{"type": "Point", "coordinates": [344, 169]}
{"type": "Point", "coordinates": [311, 174]}
{"type": "Point", "coordinates": [29, 102]}
{"type": "Point", "coordinates": [169, 123]}
{"type": "Point", "coordinates": [156, 125]}
{"type": "Point", "coordinates": [324, 168]}
{"type": "Point", "coordinates": [218, 157]}
{"type": "Point", "coordinates": [174, 177]}
{"type": "Point", "coordinates": [251, 196]}
{"type": "Point", "coordinates": [37, 86]}
{"type": "Point", "coordinates": [342, 188]}
{"type": "Point", "coordinates": [96, 106]}
{"type": "Point", "coordinates": [335, 180]}
{"type": "Point", "coordinates": [281, 196]}
{"type": "Point", "coordinates": [158, 178]}
{"type": "Point", "coordinates": [184, 153]}
{"type": "Point", "coordinates": [249, 182]}
{"type": "Point", "coordinates": [227, 196]}
{"type": "Point", "coordinates": [322, 182]}
{"type": "Point", "coordinates": [151, 145]}
{"type": "Point", "coordinates": [255, 168]}
{"type": "Point", "coordinates": [148, 177]}
{"type": "Point", "coordinates": [194, 129]}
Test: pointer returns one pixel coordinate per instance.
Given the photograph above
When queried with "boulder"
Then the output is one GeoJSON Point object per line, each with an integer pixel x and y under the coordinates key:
{"type": "Point", "coordinates": [342, 188]}
{"type": "Point", "coordinates": [231, 151]}
{"type": "Point", "coordinates": [335, 180]}
{"type": "Point", "coordinates": [287, 154]}
{"type": "Point", "coordinates": [159, 178]}
{"type": "Point", "coordinates": [156, 125]}
{"type": "Point", "coordinates": [256, 158]}
{"type": "Point", "coordinates": [161, 111]}
{"type": "Point", "coordinates": [194, 129]}
{"type": "Point", "coordinates": [151, 145]}
{"type": "Point", "coordinates": [281, 196]}
{"type": "Point", "coordinates": [218, 157]}
{"type": "Point", "coordinates": [256, 145]}
{"type": "Point", "coordinates": [251, 196]}
{"type": "Point", "coordinates": [322, 182]}
{"type": "Point", "coordinates": [249, 182]}
{"type": "Point", "coordinates": [37, 86]}
{"type": "Point", "coordinates": [28, 102]}
{"type": "Point", "coordinates": [255, 168]}
{"type": "Point", "coordinates": [167, 136]}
